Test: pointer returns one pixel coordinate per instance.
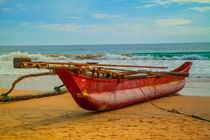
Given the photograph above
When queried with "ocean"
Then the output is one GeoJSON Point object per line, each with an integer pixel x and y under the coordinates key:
{"type": "Point", "coordinates": [171, 55]}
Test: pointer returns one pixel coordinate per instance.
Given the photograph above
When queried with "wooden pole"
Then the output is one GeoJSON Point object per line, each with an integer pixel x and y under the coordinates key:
{"type": "Point", "coordinates": [184, 74]}
{"type": "Point", "coordinates": [31, 96]}
{"type": "Point", "coordinates": [131, 72]}
{"type": "Point", "coordinates": [18, 62]}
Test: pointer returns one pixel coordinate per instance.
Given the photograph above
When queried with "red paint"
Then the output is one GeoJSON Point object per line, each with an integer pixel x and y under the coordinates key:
{"type": "Point", "coordinates": [100, 94]}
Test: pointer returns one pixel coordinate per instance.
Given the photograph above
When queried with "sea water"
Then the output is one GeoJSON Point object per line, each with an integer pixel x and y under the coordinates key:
{"type": "Point", "coordinates": [171, 55]}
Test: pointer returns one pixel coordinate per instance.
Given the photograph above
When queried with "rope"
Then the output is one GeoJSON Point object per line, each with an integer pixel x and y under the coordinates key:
{"type": "Point", "coordinates": [26, 76]}
{"type": "Point", "coordinates": [172, 110]}
{"type": "Point", "coordinates": [4, 96]}
{"type": "Point", "coordinates": [58, 88]}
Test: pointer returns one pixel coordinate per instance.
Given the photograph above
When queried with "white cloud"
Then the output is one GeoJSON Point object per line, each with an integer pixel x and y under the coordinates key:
{"type": "Point", "coordinates": [61, 27]}
{"type": "Point", "coordinates": [19, 4]}
{"type": "Point", "coordinates": [25, 23]}
{"type": "Point", "coordinates": [5, 21]}
{"type": "Point", "coordinates": [95, 28]}
{"type": "Point", "coordinates": [147, 6]}
{"type": "Point", "coordinates": [74, 17]}
{"type": "Point", "coordinates": [177, 31]}
{"type": "Point", "coordinates": [134, 31]}
{"type": "Point", "coordinates": [164, 2]}
{"type": "Point", "coordinates": [105, 16]}
{"type": "Point", "coordinates": [172, 22]}
{"type": "Point", "coordinates": [30, 23]}
{"type": "Point", "coordinates": [200, 9]}
{"type": "Point", "coordinates": [191, 1]}
{"type": "Point", "coordinates": [6, 9]}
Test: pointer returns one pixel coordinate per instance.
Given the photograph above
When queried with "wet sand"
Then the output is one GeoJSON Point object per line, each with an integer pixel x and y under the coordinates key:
{"type": "Point", "coordinates": [59, 117]}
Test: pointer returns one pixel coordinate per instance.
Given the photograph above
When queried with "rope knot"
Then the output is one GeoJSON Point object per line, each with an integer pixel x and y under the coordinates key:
{"type": "Point", "coordinates": [4, 97]}
{"type": "Point", "coordinates": [57, 89]}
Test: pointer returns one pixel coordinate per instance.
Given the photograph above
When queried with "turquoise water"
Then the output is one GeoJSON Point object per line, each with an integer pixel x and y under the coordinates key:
{"type": "Point", "coordinates": [155, 51]}
{"type": "Point", "coordinates": [177, 55]}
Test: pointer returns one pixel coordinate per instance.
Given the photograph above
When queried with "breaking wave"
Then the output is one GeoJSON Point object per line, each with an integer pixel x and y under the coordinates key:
{"type": "Point", "coordinates": [35, 57]}
{"type": "Point", "coordinates": [200, 68]}
{"type": "Point", "coordinates": [152, 57]}
{"type": "Point", "coordinates": [134, 56]}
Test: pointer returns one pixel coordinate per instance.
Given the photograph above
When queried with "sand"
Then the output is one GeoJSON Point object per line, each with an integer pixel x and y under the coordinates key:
{"type": "Point", "coordinates": [59, 117]}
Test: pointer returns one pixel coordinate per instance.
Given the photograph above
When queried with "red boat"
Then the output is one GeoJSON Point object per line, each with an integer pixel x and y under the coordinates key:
{"type": "Point", "coordinates": [106, 94]}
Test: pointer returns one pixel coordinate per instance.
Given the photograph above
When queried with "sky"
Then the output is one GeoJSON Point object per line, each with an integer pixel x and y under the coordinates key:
{"type": "Point", "coordinates": [72, 22]}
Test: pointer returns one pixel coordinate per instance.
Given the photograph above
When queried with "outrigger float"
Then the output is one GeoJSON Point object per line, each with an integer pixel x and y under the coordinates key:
{"type": "Point", "coordinates": [96, 87]}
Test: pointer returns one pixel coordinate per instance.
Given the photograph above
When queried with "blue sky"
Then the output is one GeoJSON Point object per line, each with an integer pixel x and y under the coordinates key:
{"type": "Point", "coordinates": [66, 22]}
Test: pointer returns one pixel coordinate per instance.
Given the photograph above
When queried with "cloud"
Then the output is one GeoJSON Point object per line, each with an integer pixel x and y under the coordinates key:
{"type": "Point", "coordinates": [190, 1]}
{"type": "Point", "coordinates": [147, 6]}
{"type": "Point", "coordinates": [5, 21]}
{"type": "Point", "coordinates": [19, 4]}
{"type": "Point", "coordinates": [74, 17]}
{"type": "Point", "coordinates": [62, 27]}
{"type": "Point", "coordinates": [172, 22]}
{"type": "Point", "coordinates": [164, 2]}
{"type": "Point", "coordinates": [95, 28]}
{"type": "Point", "coordinates": [166, 27]}
{"type": "Point", "coordinates": [177, 31]}
{"type": "Point", "coordinates": [105, 16]}
{"type": "Point", "coordinates": [200, 9]}
{"type": "Point", "coordinates": [6, 9]}
{"type": "Point", "coordinates": [30, 23]}
{"type": "Point", "coordinates": [25, 23]}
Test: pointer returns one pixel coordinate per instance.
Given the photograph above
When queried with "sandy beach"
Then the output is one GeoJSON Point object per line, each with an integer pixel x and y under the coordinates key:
{"type": "Point", "coordinates": [59, 117]}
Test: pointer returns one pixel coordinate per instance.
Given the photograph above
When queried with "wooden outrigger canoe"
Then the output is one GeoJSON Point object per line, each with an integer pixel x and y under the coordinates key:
{"type": "Point", "coordinates": [100, 89]}
{"type": "Point", "coordinates": [99, 94]}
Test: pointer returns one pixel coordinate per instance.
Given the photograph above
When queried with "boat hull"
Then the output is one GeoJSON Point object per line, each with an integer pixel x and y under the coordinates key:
{"type": "Point", "coordinates": [99, 94]}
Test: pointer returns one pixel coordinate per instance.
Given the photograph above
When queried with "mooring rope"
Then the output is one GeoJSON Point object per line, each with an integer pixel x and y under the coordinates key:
{"type": "Point", "coordinates": [171, 110]}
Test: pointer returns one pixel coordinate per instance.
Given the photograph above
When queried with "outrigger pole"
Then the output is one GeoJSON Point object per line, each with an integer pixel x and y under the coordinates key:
{"type": "Point", "coordinates": [20, 62]}
{"type": "Point", "coordinates": [82, 68]}
{"type": "Point", "coordinates": [57, 90]}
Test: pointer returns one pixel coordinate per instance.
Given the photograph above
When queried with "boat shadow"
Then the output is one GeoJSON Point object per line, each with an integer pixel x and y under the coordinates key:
{"type": "Point", "coordinates": [75, 117]}
{"type": "Point", "coordinates": [85, 115]}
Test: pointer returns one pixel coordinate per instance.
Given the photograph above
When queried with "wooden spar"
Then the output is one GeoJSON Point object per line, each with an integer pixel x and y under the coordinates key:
{"type": "Point", "coordinates": [64, 66]}
{"type": "Point", "coordinates": [96, 70]}
{"type": "Point", "coordinates": [84, 66]}
{"type": "Point", "coordinates": [184, 74]}
{"type": "Point", "coordinates": [31, 96]}
{"type": "Point", "coordinates": [131, 72]}
{"type": "Point", "coordinates": [19, 61]}
{"type": "Point", "coordinates": [106, 65]}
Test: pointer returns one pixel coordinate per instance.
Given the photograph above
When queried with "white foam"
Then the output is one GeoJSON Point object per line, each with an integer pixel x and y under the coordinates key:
{"type": "Point", "coordinates": [122, 57]}
{"type": "Point", "coordinates": [200, 68]}
{"type": "Point", "coordinates": [149, 57]}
